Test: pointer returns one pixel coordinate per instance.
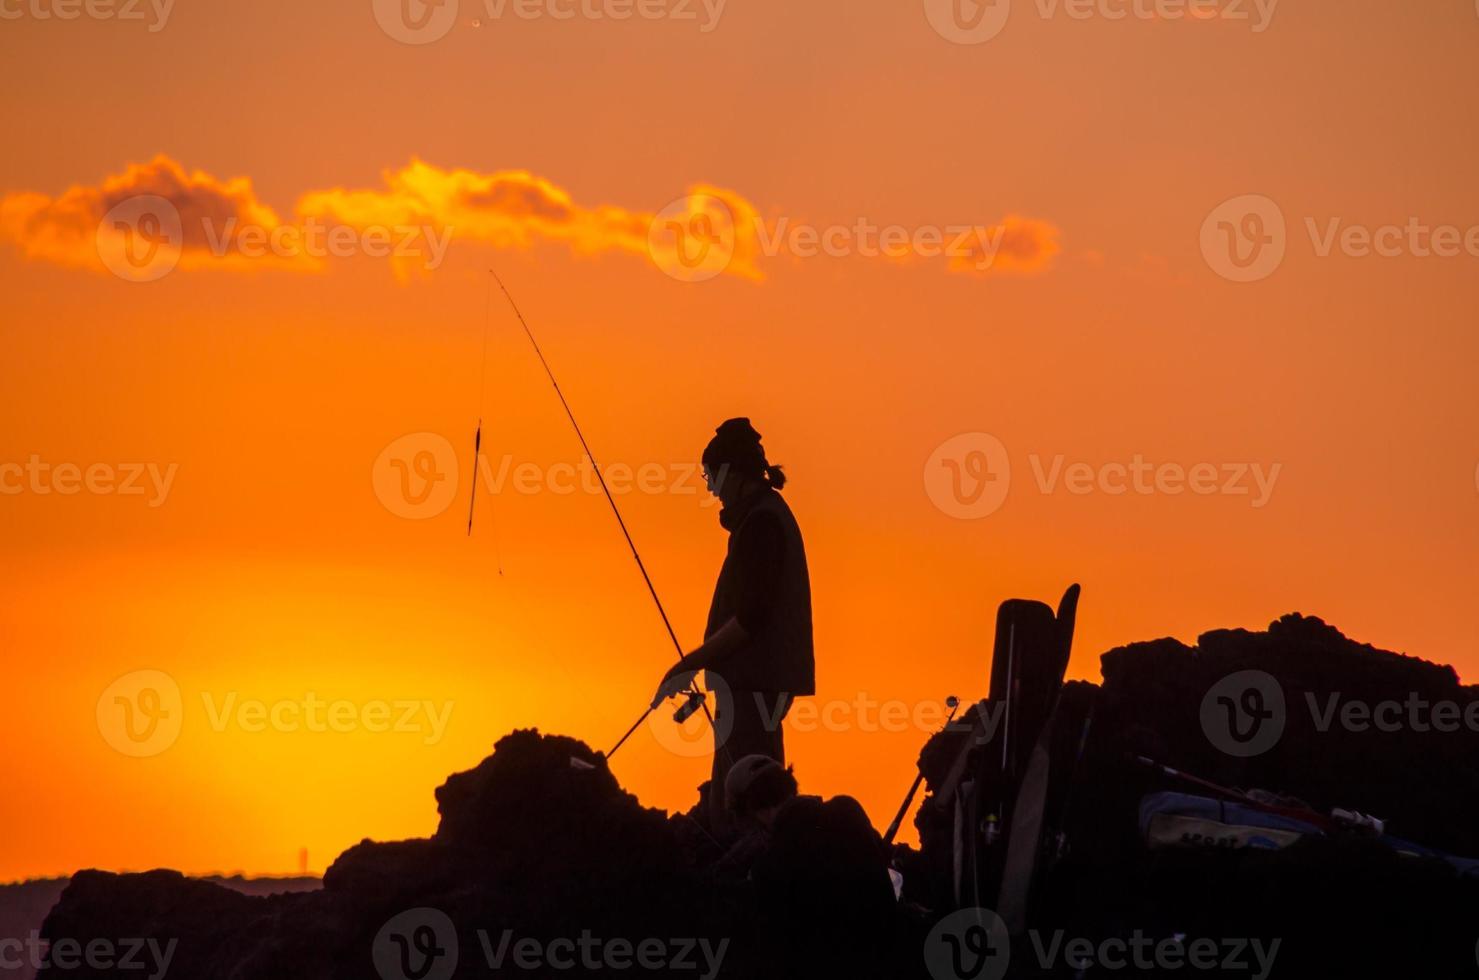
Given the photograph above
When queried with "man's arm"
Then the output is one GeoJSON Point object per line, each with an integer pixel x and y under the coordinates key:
{"type": "Point", "coordinates": [724, 641]}
{"type": "Point", "coordinates": [759, 552]}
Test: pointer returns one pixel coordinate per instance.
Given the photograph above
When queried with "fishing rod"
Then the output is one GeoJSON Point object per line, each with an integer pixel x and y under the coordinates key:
{"type": "Point", "coordinates": [477, 439]}
{"type": "Point", "coordinates": [1304, 813]}
{"type": "Point", "coordinates": [696, 698]}
{"type": "Point", "coordinates": [953, 703]}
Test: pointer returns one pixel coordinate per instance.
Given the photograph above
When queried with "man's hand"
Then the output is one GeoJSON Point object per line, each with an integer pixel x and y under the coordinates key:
{"type": "Point", "coordinates": [725, 641]}
{"type": "Point", "coordinates": [674, 682]}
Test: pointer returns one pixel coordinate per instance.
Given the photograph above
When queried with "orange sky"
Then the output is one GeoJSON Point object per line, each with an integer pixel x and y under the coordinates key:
{"type": "Point", "coordinates": [268, 388]}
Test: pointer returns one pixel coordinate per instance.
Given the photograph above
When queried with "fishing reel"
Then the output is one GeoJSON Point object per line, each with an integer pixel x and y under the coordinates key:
{"type": "Point", "coordinates": [688, 708]}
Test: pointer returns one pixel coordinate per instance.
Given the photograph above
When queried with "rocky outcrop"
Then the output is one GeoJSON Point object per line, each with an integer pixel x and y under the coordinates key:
{"type": "Point", "coordinates": [530, 846]}
{"type": "Point", "coordinates": [539, 862]}
{"type": "Point", "coordinates": [1339, 905]}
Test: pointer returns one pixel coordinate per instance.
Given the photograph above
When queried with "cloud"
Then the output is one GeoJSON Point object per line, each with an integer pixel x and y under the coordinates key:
{"type": "Point", "coordinates": [1014, 245]}
{"type": "Point", "coordinates": [70, 229]}
{"type": "Point", "coordinates": [412, 217]}
{"type": "Point", "coordinates": [516, 209]}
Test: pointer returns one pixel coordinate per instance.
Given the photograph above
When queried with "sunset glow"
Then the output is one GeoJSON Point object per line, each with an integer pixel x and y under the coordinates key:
{"type": "Point", "coordinates": [979, 298]}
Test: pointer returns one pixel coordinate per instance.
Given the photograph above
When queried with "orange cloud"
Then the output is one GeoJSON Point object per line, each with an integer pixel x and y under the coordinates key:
{"type": "Point", "coordinates": [202, 221]}
{"type": "Point", "coordinates": [200, 214]}
{"type": "Point", "coordinates": [515, 209]}
{"type": "Point", "coordinates": [1016, 244]}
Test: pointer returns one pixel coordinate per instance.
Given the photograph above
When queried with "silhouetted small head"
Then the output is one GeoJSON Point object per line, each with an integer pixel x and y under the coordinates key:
{"type": "Point", "coordinates": [734, 461]}
{"type": "Point", "coordinates": [757, 787]}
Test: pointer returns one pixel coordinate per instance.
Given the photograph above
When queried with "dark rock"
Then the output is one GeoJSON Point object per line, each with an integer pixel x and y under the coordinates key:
{"type": "Point", "coordinates": [532, 845]}
{"type": "Point", "coordinates": [1340, 905]}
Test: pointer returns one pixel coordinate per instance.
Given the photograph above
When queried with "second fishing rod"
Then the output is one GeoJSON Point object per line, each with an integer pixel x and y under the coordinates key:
{"type": "Point", "coordinates": [695, 699]}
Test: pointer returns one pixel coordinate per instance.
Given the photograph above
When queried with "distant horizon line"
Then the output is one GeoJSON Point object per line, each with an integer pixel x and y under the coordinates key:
{"type": "Point", "coordinates": [242, 875]}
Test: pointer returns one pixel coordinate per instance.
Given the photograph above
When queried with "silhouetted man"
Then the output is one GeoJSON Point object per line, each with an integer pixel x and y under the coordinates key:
{"type": "Point", "coordinates": [757, 648]}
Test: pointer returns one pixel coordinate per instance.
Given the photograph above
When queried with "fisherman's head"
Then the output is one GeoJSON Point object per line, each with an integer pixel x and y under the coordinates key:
{"type": "Point", "coordinates": [735, 463]}
{"type": "Point", "coordinates": [756, 788]}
